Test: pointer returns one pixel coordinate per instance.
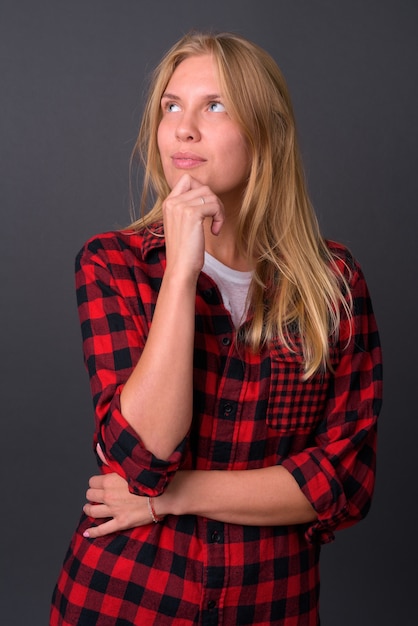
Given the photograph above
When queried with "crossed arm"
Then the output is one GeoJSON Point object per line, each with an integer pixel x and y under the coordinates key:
{"type": "Point", "coordinates": [268, 496]}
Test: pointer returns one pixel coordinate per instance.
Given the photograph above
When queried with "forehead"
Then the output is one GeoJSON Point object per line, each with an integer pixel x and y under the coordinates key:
{"type": "Point", "coordinates": [194, 73]}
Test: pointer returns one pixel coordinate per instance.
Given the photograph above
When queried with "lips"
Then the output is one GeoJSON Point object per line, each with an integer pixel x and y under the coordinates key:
{"type": "Point", "coordinates": [186, 160]}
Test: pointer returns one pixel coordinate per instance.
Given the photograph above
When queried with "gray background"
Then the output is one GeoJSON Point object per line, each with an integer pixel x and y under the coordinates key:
{"type": "Point", "coordinates": [72, 81]}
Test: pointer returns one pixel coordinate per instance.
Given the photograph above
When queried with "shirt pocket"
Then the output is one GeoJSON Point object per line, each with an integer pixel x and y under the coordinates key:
{"type": "Point", "coordinates": [295, 405]}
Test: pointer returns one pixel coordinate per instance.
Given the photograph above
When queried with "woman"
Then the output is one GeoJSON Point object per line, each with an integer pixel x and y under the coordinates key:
{"type": "Point", "coordinates": [234, 362]}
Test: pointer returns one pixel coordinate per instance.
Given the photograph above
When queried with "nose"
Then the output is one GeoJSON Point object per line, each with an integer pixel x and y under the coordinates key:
{"type": "Point", "coordinates": [187, 128]}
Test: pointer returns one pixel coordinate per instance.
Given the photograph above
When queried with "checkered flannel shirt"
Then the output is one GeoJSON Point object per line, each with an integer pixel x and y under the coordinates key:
{"type": "Point", "coordinates": [250, 411]}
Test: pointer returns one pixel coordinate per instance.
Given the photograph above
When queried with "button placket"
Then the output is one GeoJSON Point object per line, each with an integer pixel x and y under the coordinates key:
{"type": "Point", "coordinates": [214, 573]}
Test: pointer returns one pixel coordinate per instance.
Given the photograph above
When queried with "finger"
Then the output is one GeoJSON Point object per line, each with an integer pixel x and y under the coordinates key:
{"type": "Point", "coordinates": [210, 200]}
{"type": "Point", "coordinates": [103, 529]}
{"type": "Point", "coordinates": [95, 496]}
{"type": "Point", "coordinates": [96, 481]}
{"type": "Point", "coordinates": [97, 511]}
{"type": "Point", "coordinates": [101, 455]}
{"type": "Point", "coordinates": [212, 208]}
{"type": "Point", "coordinates": [217, 221]}
{"type": "Point", "coordinates": [183, 184]}
{"type": "Point", "coordinates": [208, 203]}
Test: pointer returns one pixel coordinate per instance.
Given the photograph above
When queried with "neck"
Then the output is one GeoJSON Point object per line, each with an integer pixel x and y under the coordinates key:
{"type": "Point", "coordinates": [224, 247]}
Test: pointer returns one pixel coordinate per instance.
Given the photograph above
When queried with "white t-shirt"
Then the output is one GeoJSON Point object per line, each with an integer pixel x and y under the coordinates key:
{"type": "Point", "coordinates": [232, 284]}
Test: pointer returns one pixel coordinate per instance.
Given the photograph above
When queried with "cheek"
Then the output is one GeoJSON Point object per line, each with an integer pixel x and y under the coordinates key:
{"type": "Point", "coordinates": [239, 147]}
{"type": "Point", "coordinates": [164, 135]}
{"type": "Point", "coordinates": [241, 160]}
{"type": "Point", "coordinates": [162, 147]}
{"type": "Point", "coordinates": [160, 138]}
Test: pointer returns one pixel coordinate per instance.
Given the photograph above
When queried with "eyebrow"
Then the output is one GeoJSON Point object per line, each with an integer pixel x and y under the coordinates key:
{"type": "Point", "coordinates": [210, 96]}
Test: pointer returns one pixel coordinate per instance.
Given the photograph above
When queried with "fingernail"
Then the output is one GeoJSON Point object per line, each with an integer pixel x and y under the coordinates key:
{"type": "Point", "coordinates": [86, 534]}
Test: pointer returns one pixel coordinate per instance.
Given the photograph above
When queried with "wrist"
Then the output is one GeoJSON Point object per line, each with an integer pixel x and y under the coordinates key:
{"type": "Point", "coordinates": [174, 500]}
{"type": "Point", "coordinates": [183, 279]}
{"type": "Point", "coordinates": [152, 511]}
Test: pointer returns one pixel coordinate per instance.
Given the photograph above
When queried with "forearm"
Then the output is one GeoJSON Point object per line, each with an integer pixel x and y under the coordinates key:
{"type": "Point", "coordinates": [157, 398]}
{"type": "Point", "coordinates": [262, 497]}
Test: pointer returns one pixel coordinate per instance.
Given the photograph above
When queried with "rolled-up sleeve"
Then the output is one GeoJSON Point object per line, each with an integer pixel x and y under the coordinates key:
{"type": "Point", "coordinates": [337, 474]}
{"type": "Point", "coordinates": [115, 304]}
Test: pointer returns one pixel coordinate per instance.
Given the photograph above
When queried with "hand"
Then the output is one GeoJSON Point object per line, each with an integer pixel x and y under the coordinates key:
{"type": "Point", "coordinates": [109, 497]}
{"type": "Point", "coordinates": [184, 212]}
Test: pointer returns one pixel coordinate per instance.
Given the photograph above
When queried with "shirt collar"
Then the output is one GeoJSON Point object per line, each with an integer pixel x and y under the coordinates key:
{"type": "Point", "coordinates": [152, 238]}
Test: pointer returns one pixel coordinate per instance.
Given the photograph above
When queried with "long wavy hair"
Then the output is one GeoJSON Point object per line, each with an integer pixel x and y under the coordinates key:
{"type": "Point", "coordinates": [297, 288]}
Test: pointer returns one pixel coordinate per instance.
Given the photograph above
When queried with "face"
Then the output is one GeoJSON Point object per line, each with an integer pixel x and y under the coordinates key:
{"type": "Point", "coordinates": [196, 134]}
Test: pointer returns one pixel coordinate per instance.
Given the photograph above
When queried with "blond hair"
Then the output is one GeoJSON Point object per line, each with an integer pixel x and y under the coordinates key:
{"type": "Point", "coordinates": [296, 280]}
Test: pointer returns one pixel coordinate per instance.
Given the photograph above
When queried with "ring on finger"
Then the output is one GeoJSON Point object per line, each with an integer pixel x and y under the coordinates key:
{"type": "Point", "coordinates": [202, 199]}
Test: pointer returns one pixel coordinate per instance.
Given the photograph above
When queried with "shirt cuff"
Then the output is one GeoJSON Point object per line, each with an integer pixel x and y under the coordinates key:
{"type": "Point", "coordinates": [317, 480]}
{"type": "Point", "coordinates": [126, 455]}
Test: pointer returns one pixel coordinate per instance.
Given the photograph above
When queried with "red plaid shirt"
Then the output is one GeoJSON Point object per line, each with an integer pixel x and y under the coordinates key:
{"type": "Point", "coordinates": [250, 411]}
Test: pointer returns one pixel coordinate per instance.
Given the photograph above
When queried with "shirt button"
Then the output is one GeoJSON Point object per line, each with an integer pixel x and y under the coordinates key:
{"type": "Point", "coordinates": [209, 295]}
{"type": "Point", "coordinates": [228, 408]}
{"type": "Point", "coordinates": [226, 341]}
{"type": "Point", "coordinates": [216, 537]}
{"type": "Point", "coordinates": [211, 605]}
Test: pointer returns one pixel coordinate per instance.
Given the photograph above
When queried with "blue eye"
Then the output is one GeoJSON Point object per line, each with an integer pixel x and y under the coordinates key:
{"type": "Point", "coordinates": [217, 107]}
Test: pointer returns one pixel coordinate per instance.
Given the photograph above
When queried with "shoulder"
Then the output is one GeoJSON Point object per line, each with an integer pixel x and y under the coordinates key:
{"type": "Point", "coordinates": [344, 262]}
{"type": "Point", "coordinates": [341, 254]}
{"type": "Point", "coordinates": [353, 281]}
{"type": "Point", "coordinates": [121, 247]}
{"type": "Point", "coordinates": [125, 263]}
